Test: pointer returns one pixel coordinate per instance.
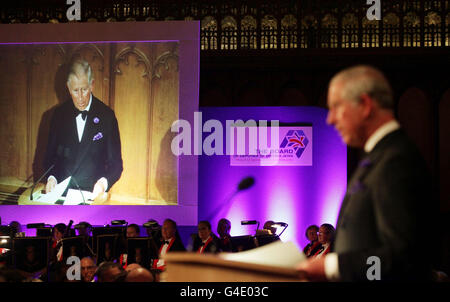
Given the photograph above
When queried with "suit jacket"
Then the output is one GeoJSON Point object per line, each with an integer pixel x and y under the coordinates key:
{"type": "Point", "coordinates": [385, 213]}
{"type": "Point", "coordinates": [177, 245]}
{"type": "Point", "coordinates": [97, 155]}
{"type": "Point", "coordinates": [211, 247]}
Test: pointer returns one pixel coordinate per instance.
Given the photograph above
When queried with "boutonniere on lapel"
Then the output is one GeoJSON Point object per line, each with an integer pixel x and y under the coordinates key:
{"type": "Point", "coordinates": [365, 163]}
{"type": "Point", "coordinates": [96, 120]}
{"type": "Point", "coordinates": [97, 136]}
{"type": "Point", "coordinates": [358, 185]}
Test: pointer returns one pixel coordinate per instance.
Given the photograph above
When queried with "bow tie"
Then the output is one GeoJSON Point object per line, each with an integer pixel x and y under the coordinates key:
{"type": "Point", "coordinates": [166, 242]}
{"type": "Point", "coordinates": [84, 114]}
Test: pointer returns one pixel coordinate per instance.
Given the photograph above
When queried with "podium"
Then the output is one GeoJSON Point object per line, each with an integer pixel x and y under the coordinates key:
{"type": "Point", "coordinates": [24, 198]}
{"type": "Point", "coordinates": [194, 267]}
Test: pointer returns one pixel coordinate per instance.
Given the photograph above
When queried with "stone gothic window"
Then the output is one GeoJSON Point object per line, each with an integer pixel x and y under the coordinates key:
{"type": "Point", "coordinates": [229, 33]}
{"type": "Point", "coordinates": [248, 33]}
{"type": "Point", "coordinates": [209, 33]}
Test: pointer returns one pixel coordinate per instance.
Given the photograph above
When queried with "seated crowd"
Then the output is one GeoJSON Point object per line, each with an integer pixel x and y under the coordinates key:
{"type": "Point", "coordinates": [123, 254]}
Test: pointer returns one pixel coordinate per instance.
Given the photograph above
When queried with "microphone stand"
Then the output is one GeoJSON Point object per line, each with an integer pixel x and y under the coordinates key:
{"type": "Point", "coordinates": [79, 189]}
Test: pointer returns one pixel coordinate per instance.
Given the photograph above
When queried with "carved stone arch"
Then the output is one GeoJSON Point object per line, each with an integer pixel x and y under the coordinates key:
{"type": "Point", "coordinates": [248, 22]}
{"type": "Point", "coordinates": [391, 18]}
{"type": "Point", "coordinates": [329, 20]}
{"type": "Point", "coordinates": [229, 32]}
{"type": "Point", "coordinates": [229, 22]}
{"type": "Point", "coordinates": [163, 61]}
{"type": "Point", "coordinates": [123, 55]}
{"type": "Point", "coordinates": [97, 54]}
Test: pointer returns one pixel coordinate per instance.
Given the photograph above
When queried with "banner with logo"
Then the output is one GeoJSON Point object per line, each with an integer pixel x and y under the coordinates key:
{"type": "Point", "coordinates": [294, 148]}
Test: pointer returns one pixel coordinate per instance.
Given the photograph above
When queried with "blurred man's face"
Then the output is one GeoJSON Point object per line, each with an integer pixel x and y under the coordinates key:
{"type": "Point", "coordinates": [223, 229]}
{"type": "Point", "coordinates": [203, 231]}
{"type": "Point", "coordinates": [30, 255]}
{"type": "Point", "coordinates": [111, 275]}
{"type": "Point", "coordinates": [167, 230]}
{"type": "Point", "coordinates": [57, 235]}
{"type": "Point", "coordinates": [87, 269]}
{"type": "Point", "coordinates": [324, 235]}
{"type": "Point", "coordinates": [131, 232]}
{"type": "Point", "coordinates": [346, 116]}
{"type": "Point", "coordinates": [80, 91]}
{"type": "Point", "coordinates": [312, 234]}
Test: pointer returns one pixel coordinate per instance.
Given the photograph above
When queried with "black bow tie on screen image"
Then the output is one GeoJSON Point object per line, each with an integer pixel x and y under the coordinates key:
{"type": "Point", "coordinates": [84, 114]}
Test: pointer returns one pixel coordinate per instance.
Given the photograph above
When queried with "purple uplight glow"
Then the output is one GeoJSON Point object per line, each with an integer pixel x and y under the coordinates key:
{"type": "Point", "coordinates": [297, 195]}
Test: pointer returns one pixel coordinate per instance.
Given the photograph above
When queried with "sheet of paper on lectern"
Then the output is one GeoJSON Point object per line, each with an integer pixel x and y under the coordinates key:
{"type": "Point", "coordinates": [278, 253]}
{"type": "Point", "coordinates": [56, 193]}
{"type": "Point", "coordinates": [76, 197]}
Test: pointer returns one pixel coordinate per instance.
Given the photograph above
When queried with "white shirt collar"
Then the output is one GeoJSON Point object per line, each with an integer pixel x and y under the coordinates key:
{"type": "Point", "coordinates": [204, 241]}
{"type": "Point", "coordinates": [89, 105]}
{"type": "Point", "coordinates": [381, 132]}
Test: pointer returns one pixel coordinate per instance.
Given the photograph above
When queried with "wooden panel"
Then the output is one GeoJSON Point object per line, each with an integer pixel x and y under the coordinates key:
{"type": "Point", "coordinates": [163, 173]}
{"type": "Point", "coordinates": [46, 89]}
{"type": "Point", "coordinates": [131, 104]}
{"type": "Point", "coordinates": [13, 106]}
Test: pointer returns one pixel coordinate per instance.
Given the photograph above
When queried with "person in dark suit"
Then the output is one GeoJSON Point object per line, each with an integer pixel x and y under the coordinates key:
{"type": "Point", "coordinates": [171, 242]}
{"type": "Point", "coordinates": [326, 240]}
{"type": "Point", "coordinates": [223, 229]}
{"type": "Point", "coordinates": [388, 205]}
{"type": "Point", "coordinates": [313, 246]}
{"type": "Point", "coordinates": [84, 140]}
{"type": "Point", "coordinates": [207, 241]}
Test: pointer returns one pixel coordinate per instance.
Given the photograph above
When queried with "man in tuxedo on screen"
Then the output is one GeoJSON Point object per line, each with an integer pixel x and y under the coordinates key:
{"type": "Point", "coordinates": [84, 140]}
{"type": "Point", "coordinates": [388, 205]}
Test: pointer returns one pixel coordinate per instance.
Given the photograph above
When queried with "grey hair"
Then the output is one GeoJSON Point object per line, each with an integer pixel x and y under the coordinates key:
{"type": "Point", "coordinates": [364, 79]}
{"type": "Point", "coordinates": [78, 68]}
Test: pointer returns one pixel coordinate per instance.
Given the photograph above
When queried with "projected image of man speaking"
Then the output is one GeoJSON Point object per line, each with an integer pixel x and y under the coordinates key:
{"type": "Point", "coordinates": [84, 140]}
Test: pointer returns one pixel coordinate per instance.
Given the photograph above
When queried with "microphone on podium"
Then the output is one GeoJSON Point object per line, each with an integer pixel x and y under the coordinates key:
{"type": "Point", "coordinates": [40, 178]}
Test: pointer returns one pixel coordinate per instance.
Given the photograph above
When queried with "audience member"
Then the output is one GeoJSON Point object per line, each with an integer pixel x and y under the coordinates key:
{"type": "Point", "coordinates": [30, 267]}
{"type": "Point", "coordinates": [110, 272]}
{"type": "Point", "coordinates": [84, 230]}
{"type": "Point", "coordinates": [132, 266]}
{"type": "Point", "coordinates": [133, 230]}
{"type": "Point", "coordinates": [208, 242]}
{"type": "Point", "coordinates": [223, 229]}
{"type": "Point", "coordinates": [139, 274]}
{"type": "Point", "coordinates": [58, 232]}
{"type": "Point", "coordinates": [16, 228]}
{"type": "Point", "coordinates": [171, 241]}
{"type": "Point", "coordinates": [326, 239]}
{"type": "Point", "coordinates": [311, 248]}
{"type": "Point", "coordinates": [88, 269]}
